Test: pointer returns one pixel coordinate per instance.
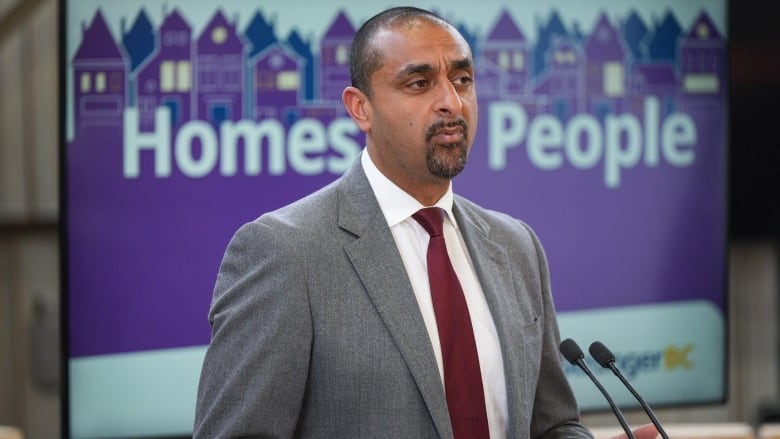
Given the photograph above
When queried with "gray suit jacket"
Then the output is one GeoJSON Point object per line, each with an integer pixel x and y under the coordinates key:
{"type": "Point", "coordinates": [316, 331]}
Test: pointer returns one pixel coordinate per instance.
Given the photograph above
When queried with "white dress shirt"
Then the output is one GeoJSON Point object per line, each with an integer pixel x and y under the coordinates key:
{"type": "Point", "coordinates": [412, 242]}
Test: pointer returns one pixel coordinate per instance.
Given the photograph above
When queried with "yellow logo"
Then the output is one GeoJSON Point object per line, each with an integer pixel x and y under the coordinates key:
{"type": "Point", "coordinates": [675, 357]}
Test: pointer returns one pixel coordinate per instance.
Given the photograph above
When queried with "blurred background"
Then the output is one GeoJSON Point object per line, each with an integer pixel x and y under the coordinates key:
{"type": "Point", "coordinates": [30, 381]}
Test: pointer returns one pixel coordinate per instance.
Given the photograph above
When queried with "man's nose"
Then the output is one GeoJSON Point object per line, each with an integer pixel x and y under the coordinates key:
{"type": "Point", "coordinates": [449, 101]}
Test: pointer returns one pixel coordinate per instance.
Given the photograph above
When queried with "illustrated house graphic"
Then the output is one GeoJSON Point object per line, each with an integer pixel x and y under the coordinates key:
{"type": "Point", "coordinates": [165, 79]}
{"type": "Point", "coordinates": [139, 40]}
{"type": "Point", "coordinates": [303, 49]}
{"type": "Point", "coordinates": [218, 67]}
{"type": "Point", "coordinates": [560, 88]}
{"type": "Point", "coordinates": [99, 71]}
{"type": "Point", "coordinates": [138, 43]}
{"type": "Point", "coordinates": [277, 81]}
{"type": "Point", "coordinates": [635, 33]}
{"type": "Point", "coordinates": [334, 58]}
{"type": "Point", "coordinates": [547, 33]}
{"type": "Point", "coordinates": [605, 68]}
{"type": "Point", "coordinates": [662, 43]}
{"type": "Point", "coordinates": [702, 61]}
{"type": "Point", "coordinates": [227, 76]}
{"type": "Point", "coordinates": [655, 79]}
{"type": "Point", "coordinates": [506, 51]}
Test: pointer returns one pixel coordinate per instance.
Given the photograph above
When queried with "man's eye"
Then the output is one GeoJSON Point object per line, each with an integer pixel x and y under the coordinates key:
{"type": "Point", "coordinates": [463, 80]}
{"type": "Point", "coordinates": [422, 83]}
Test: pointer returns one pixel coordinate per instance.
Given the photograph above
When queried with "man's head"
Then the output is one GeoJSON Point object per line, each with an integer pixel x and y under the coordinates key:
{"type": "Point", "coordinates": [365, 57]}
{"type": "Point", "coordinates": [413, 95]}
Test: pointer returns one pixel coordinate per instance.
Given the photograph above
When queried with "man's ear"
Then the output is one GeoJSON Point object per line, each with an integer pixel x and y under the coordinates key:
{"type": "Point", "coordinates": [358, 107]}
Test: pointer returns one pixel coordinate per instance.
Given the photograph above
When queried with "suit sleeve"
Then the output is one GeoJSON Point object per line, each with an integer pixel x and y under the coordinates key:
{"type": "Point", "coordinates": [555, 413]}
{"type": "Point", "coordinates": [256, 366]}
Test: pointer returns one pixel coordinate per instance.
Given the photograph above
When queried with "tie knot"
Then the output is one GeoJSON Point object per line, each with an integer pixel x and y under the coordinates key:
{"type": "Point", "coordinates": [432, 220]}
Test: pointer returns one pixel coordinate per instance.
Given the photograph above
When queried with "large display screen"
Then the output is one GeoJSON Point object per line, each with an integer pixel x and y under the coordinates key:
{"type": "Point", "coordinates": [602, 124]}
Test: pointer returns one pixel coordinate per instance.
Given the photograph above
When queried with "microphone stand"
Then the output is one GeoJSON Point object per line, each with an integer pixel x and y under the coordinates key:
{"type": "Point", "coordinates": [606, 359]}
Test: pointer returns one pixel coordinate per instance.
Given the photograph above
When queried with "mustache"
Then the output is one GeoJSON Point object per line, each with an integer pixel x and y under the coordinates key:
{"type": "Point", "coordinates": [440, 125]}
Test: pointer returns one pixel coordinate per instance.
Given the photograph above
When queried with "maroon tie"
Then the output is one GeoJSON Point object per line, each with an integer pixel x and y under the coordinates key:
{"type": "Point", "coordinates": [462, 379]}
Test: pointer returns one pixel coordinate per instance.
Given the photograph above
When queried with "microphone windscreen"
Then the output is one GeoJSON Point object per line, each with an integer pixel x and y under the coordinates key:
{"type": "Point", "coordinates": [571, 351]}
{"type": "Point", "coordinates": [601, 353]}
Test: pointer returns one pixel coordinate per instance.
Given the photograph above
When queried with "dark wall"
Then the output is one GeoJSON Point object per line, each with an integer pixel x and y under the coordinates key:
{"type": "Point", "coordinates": [754, 204]}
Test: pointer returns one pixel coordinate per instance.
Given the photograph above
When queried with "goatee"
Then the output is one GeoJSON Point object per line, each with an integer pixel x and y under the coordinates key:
{"type": "Point", "coordinates": [446, 160]}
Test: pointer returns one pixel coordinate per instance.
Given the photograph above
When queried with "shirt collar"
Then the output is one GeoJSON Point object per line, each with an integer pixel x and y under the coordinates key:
{"type": "Point", "coordinates": [396, 204]}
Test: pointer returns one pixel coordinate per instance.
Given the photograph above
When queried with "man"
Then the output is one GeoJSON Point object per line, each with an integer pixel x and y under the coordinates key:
{"type": "Point", "coordinates": [323, 320]}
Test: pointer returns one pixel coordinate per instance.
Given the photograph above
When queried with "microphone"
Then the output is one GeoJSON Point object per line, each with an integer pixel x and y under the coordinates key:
{"type": "Point", "coordinates": [606, 359]}
{"type": "Point", "coordinates": [573, 354]}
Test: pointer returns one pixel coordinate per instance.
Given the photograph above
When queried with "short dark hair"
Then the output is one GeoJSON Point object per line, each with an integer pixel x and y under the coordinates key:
{"type": "Point", "coordinates": [364, 57]}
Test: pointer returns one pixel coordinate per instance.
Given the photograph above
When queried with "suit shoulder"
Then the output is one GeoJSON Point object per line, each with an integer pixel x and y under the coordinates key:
{"type": "Point", "coordinates": [313, 208]}
{"type": "Point", "coordinates": [495, 221]}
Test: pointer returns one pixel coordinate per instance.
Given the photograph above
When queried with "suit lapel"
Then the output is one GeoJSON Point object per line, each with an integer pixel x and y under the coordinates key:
{"type": "Point", "coordinates": [379, 266]}
{"type": "Point", "coordinates": [494, 271]}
